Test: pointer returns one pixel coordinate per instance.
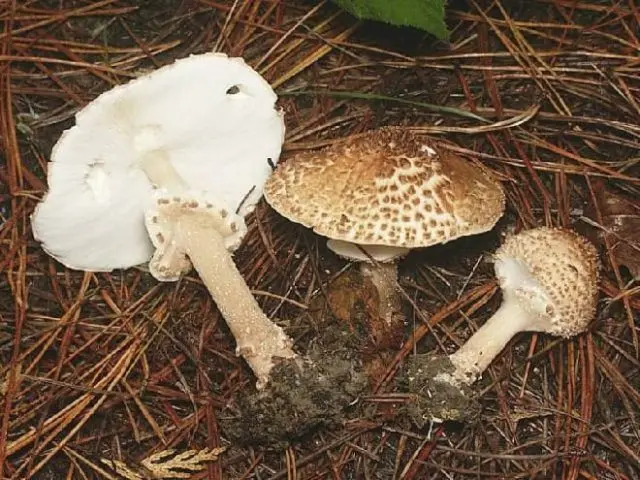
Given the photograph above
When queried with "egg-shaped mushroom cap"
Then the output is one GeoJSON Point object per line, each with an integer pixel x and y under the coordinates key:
{"type": "Point", "coordinates": [386, 187]}
{"type": "Point", "coordinates": [553, 272]}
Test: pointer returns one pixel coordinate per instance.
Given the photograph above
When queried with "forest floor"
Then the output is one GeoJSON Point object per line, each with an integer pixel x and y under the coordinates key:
{"type": "Point", "coordinates": [96, 368]}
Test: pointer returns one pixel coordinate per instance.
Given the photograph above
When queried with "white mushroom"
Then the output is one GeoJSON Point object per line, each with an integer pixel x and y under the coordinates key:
{"type": "Point", "coordinates": [204, 123]}
{"type": "Point", "coordinates": [382, 193]}
{"type": "Point", "coordinates": [209, 117]}
{"type": "Point", "coordinates": [549, 282]}
{"type": "Point", "coordinates": [195, 226]}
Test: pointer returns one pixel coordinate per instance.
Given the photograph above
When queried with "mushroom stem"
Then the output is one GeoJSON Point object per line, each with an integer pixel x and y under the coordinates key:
{"type": "Point", "coordinates": [258, 339]}
{"type": "Point", "coordinates": [160, 172]}
{"type": "Point", "coordinates": [487, 342]}
{"type": "Point", "coordinates": [196, 234]}
{"type": "Point", "coordinates": [384, 278]}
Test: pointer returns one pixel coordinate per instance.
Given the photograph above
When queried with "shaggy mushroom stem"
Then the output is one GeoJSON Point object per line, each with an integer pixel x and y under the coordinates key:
{"type": "Point", "coordinates": [258, 339]}
{"type": "Point", "coordinates": [158, 169]}
{"type": "Point", "coordinates": [192, 226]}
{"type": "Point", "coordinates": [384, 278]}
{"type": "Point", "coordinates": [189, 228]}
{"type": "Point", "coordinates": [475, 356]}
{"type": "Point", "coordinates": [526, 306]}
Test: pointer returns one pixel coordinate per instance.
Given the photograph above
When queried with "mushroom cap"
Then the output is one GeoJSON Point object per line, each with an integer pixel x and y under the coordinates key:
{"type": "Point", "coordinates": [386, 187]}
{"type": "Point", "coordinates": [162, 221]}
{"type": "Point", "coordinates": [213, 117]}
{"type": "Point", "coordinates": [553, 274]}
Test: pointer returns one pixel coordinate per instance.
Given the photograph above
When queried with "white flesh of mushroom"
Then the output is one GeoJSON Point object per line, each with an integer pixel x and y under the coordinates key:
{"type": "Point", "coordinates": [511, 318]}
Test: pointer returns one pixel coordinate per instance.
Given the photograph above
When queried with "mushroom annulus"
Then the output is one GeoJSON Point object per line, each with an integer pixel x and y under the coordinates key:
{"type": "Point", "coordinates": [175, 160]}
{"type": "Point", "coordinates": [379, 194]}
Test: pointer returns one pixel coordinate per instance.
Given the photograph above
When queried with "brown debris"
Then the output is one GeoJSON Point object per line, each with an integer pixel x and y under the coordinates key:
{"type": "Point", "coordinates": [620, 227]}
{"type": "Point", "coordinates": [92, 366]}
{"type": "Point", "coordinates": [354, 300]}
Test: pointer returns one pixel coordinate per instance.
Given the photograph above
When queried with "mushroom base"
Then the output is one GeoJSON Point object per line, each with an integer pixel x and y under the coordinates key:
{"type": "Point", "coordinates": [432, 397]}
{"type": "Point", "coordinates": [301, 396]}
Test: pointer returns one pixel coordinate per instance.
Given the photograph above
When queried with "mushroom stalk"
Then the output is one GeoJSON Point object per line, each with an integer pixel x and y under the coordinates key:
{"type": "Point", "coordinates": [184, 227]}
{"type": "Point", "coordinates": [160, 172]}
{"type": "Point", "coordinates": [475, 356]}
{"type": "Point", "coordinates": [258, 339]}
{"type": "Point", "coordinates": [549, 282]}
{"type": "Point", "coordinates": [384, 278]}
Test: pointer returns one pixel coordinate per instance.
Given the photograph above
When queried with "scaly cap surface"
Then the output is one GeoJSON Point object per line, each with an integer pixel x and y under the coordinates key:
{"type": "Point", "coordinates": [386, 187]}
{"type": "Point", "coordinates": [554, 274]}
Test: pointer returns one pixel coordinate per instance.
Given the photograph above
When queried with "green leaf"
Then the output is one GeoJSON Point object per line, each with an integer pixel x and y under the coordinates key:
{"type": "Point", "coordinates": [424, 14]}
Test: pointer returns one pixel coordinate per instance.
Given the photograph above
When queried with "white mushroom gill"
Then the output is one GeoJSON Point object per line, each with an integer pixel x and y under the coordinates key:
{"type": "Point", "coordinates": [194, 225]}
{"type": "Point", "coordinates": [548, 278]}
{"type": "Point", "coordinates": [366, 253]}
{"type": "Point", "coordinates": [214, 118]}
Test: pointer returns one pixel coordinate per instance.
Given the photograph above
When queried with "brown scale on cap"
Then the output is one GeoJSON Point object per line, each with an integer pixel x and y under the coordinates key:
{"type": "Point", "coordinates": [566, 267]}
{"type": "Point", "coordinates": [386, 187]}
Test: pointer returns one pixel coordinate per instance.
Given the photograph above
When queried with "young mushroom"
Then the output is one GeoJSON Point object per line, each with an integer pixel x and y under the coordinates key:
{"type": "Point", "coordinates": [183, 152]}
{"type": "Point", "coordinates": [379, 194]}
{"type": "Point", "coordinates": [549, 283]}
{"type": "Point", "coordinates": [209, 117]}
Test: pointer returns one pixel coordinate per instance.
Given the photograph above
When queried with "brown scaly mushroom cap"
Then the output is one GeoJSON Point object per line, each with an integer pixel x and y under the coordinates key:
{"type": "Point", "coordinates": [565, 267]}
{"type": "Point", "coordinates": [387, 187]}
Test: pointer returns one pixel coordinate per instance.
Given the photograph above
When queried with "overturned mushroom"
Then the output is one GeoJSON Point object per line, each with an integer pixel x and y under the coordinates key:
{"type": "Point", "coordinates": [209, 117]}
{"type": "Point", "coordinates": [549, 282]}
{"type": "Point", "coordinates": [382, 193]}
{"type": "Point", "coordinates": [204, 123]}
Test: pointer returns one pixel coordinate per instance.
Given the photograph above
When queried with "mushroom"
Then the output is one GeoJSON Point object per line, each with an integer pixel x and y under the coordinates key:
{"type": "Point", "coordinates": [182, 152]}
{"type": "Point", "coordinates": [549, 283]}
{"type": "Point", "coordinates": [210, 117]}
{"type": "Point", "coordinates": [379, 194]}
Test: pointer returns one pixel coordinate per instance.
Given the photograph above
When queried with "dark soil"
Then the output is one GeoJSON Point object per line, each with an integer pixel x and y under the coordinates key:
{"type": "Point", "coordinates": [301, 396]}
{"type": "Point", "coordinates": [433, 400]}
